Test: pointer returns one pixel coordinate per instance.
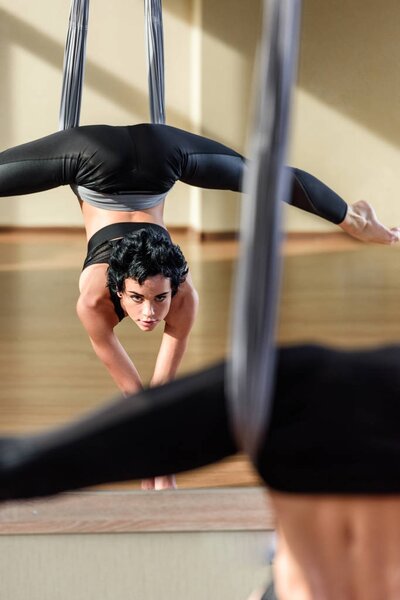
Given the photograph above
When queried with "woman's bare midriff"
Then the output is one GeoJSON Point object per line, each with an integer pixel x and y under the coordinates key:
{"type": "Point", "coordinates": [97, 218]}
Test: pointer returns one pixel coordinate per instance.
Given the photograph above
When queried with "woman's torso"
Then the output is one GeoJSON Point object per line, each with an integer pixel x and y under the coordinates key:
{"type": "Point", "coordinates": [96, 218]}
{"type": "Point", "coordinates": [139, 158]}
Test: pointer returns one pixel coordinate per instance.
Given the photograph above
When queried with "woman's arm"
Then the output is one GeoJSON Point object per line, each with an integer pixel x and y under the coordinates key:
{"type": "Point", "coordinates": [99, 324]}
{"type": "Point", "coordinates": [96, 313]}
{"type": "Point", "coordinates": [178, 325]}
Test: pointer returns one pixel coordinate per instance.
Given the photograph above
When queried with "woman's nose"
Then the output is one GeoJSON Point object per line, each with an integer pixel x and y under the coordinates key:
{"type": "Point", "coordinates": [148, 309]}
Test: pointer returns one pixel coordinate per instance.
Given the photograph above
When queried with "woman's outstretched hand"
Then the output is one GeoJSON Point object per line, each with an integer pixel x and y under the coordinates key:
{"type": "Point", "coordinates": [362, 223]}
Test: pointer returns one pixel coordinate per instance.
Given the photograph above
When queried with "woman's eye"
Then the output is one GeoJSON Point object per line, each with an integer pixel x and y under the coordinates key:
{"type": "Point", "coordinates": [136, 298]}
{"type": "Point", "coordinates": [161, 298]}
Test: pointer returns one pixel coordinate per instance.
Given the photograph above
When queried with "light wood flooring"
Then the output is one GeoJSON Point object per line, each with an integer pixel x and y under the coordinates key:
{"type": "Point", "coordinates": [335, 291]}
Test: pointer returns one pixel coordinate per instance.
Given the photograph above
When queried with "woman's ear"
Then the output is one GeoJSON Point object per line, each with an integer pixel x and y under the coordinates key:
{"type": "Point", "coordinates": [119, 294]}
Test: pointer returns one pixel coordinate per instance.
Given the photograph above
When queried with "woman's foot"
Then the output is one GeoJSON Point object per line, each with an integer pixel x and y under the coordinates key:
{"type": "Point", "coordinates": [165, 482]}
{"type": "Point", "coordinates": [362, 223]}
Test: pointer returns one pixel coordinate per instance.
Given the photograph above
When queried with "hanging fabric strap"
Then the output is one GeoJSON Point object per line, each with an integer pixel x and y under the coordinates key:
{"type": "Point", "coordinates": [251, 368]}
{"type": "Point", "coordinates": [155, 59]}
{"type": "Point", "coordinates": [74, 65]}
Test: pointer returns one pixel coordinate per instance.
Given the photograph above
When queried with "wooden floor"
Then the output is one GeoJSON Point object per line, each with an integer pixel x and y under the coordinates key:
{"type": "Point", "coordinates": [335, 291]}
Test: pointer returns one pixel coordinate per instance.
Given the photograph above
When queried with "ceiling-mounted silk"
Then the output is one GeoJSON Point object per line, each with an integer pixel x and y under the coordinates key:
{"type": "Point", "coordinates": [251, 367]}
{"type": "Point", "coordinates": [74, 65]}
{"type": "Point", "coordinates": [155, 59]}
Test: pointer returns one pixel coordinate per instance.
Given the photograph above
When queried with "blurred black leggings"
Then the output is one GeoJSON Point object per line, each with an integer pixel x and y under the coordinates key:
{"type": "Point", "coordinates": [335, 428]}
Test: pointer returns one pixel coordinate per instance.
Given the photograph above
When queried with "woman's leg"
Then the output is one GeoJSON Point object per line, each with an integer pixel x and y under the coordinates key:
{"type": "Point", "coordinates": [173, 428]}
{"type": "Point", "coordinates": [334, 429]}
{"type": "Point", "coordinates": [209, 164]}
{"type": "Point", "coordinates": [335, 422]}
{"type": "Point", "coordinates": [38, 165]}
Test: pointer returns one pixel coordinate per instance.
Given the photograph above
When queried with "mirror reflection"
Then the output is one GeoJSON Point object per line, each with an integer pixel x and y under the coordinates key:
{"type": "Point", "coordinates": [335, 290]}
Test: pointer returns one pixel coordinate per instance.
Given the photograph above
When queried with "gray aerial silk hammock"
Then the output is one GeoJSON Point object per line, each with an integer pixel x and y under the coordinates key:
{"type": "Point", "coordinates": [74, 65]}
{"type": "Point", "coordinates": [74, 62]}
{"type": "Point", "coordinates": [251, 367]}
{"type": "Point", "coordinates": [155, 59]}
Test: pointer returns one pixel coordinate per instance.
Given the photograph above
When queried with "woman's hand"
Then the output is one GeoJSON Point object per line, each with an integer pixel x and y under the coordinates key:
{"type": "Point", "coordinates": [362, 223]}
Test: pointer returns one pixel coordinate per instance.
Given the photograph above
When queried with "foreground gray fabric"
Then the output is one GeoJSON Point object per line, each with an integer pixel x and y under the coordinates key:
{"type": "Point", "coordinates": [251, 368]}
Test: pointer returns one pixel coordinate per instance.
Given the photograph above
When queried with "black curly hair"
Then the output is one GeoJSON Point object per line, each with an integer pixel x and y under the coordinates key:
{"type": "Point", "coordinates": [142, 254]}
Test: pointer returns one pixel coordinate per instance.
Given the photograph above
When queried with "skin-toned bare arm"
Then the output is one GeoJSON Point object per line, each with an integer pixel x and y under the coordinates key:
{"type": "Point", "coordinates": [96, 313]}
{"type": "Point", "coordinates": [176, 333]}
{"type": "Point", "coordinates": [99, 323]}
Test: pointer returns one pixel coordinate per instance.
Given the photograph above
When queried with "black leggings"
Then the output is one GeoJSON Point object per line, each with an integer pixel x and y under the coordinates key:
{"type": "Point", "coordinates": [144, 158]}
{"type": "Point", "coordinates": [335, 428]}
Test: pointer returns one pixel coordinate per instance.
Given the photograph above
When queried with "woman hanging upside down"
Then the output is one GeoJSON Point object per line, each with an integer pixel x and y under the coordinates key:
{"type": "Point", "coordinates": [121, 176]}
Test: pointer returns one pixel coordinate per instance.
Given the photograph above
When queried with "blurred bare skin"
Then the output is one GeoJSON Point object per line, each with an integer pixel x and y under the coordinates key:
{"type": "Point", "coordinates": [337, 547]}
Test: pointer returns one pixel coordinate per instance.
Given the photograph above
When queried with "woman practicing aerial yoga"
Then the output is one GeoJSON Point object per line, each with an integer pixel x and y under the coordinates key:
{"type": "Point", "coordinates": [121, 176]}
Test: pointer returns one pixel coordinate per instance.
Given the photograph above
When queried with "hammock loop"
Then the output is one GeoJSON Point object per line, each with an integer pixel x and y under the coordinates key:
{"type": "Point", "coordinates": [155, 59]}
{"type": "Point", "coordinates": [251, 367]}
{"type": "Point", "coordinates": [74, 65]}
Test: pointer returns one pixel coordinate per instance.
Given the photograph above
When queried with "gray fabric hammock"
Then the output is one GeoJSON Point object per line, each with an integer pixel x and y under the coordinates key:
{"type": "Point", "coordinates": [155, 59]}
{"type": "Point", "coordinates": [74, 65]}
{"type": "Point", "coordinates": [74, 62]}
{"type": "Point", "coordinates": [251, 367]}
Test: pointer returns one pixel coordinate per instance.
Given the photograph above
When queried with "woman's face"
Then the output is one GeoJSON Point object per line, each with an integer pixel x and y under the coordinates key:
{"type": "Point", "coordinates": [147, 304]}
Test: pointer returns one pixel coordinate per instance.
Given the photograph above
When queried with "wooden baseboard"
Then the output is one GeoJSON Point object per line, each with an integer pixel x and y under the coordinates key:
{"type": "Point", "coordinates": [201, 236]}
{"type": "Point", "coordinates": [315, 235]}
{"type": "Point", "coordinates": [77, 229]}
{"type": "Point", "coordinates": [222, 509]}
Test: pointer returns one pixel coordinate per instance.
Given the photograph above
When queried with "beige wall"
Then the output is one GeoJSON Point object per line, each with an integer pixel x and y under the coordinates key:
{"type": "Point", "coordinates": [346, 119]}
{"type": "Point", "coordinates": [229, 33]}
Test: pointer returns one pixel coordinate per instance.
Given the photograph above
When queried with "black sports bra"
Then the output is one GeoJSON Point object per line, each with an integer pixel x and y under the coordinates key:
{"type": "Point", "coordinates": [102, 244]}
